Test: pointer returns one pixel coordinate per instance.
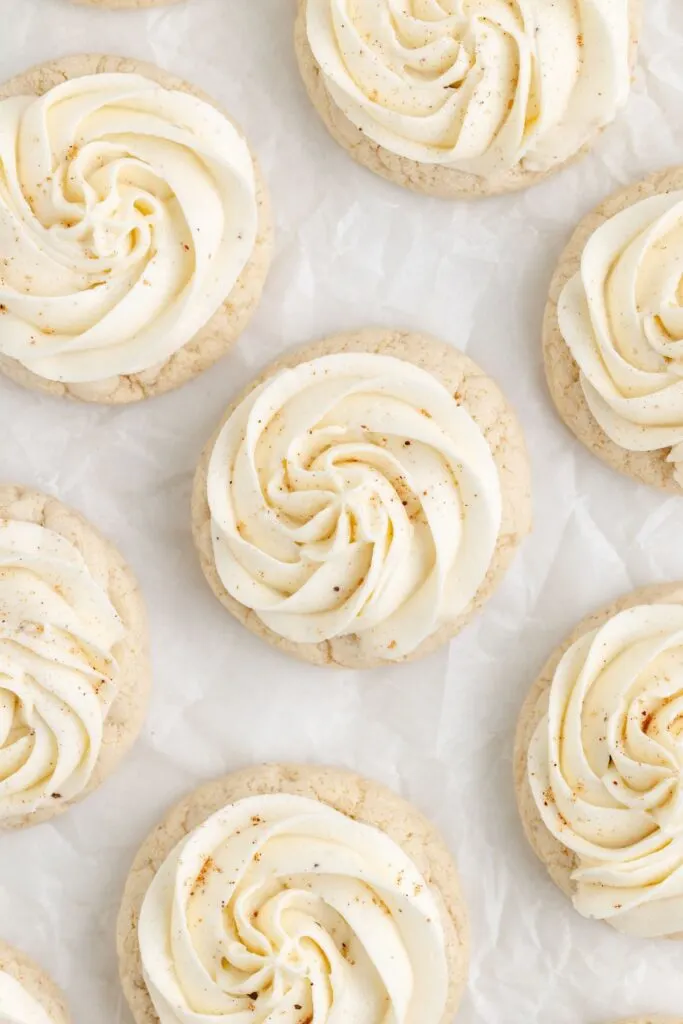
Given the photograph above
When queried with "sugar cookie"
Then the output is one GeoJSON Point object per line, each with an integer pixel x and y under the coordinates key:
{"type": "Point", "coordinates": [74, 673]}
{"type": "Point", "coordinates": [27, 994]}
{"type": "Point", "coordinates": [598, 761]}
{"type": "Point", "coordinates": [397, 458]}
{"type": "Point", "coordinates": [305, 836]}
{"type": "Point", "coordinates": [613, 332]}
{"type": "Point", "coordinates": [444, 103]}
{"type": "Point", "coordinates": [138, 240]}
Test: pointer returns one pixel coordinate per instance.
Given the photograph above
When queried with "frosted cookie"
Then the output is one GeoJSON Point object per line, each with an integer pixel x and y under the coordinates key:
{"type": "Point", "coordinates": [74, 669]}
{"type": "Point", "coordinates": [296, 892]}
{"type": "Point", "coordinates": [363, 499]}
{"type": "Point", "coordinates": [27, 994]}
{"type": "Point", "coordinates": [466, 98]}
{"type": "Point", "coordinates": [613, 332]}
{"type": "Point", "coordinates": [136, 230]}
{"type": "Point", "coordinates": [599, 765]}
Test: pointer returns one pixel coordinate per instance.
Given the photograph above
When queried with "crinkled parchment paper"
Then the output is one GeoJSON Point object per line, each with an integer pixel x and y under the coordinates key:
{"type": "Point", "coordinates": [351, 250]}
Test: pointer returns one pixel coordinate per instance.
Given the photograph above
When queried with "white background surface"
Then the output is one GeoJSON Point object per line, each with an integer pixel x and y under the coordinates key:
{"type": "Point", "coordinates": [352, 250]}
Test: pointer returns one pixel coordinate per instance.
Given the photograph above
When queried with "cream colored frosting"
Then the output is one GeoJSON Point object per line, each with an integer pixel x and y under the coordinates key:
{"type": "Point", "coordinates": [281, 908]}
{"type": "Point", "coordinates": [353, 495]}
{"type": "Point", "coordinates": [480, 85]}
{"type": "Point", "coordinates": [127, 213]}
{"type": "Point", "coordinates": [58, 630]}
{"type": "Point", "coordinates": [17, 1006]}
{"type": "Point", "coordinates": [606, 769]}
{"type": "Point", "coordinates": [621, 316]}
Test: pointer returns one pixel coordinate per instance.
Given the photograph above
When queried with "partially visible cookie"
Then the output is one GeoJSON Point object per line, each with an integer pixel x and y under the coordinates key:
{"type": "Point", "coordinates": [445, 105]}
{"type": "Point", "coordinates": [613, 332]}
{"type": "Point", "coordinates": [27, 994]}
{"type": "Point", "coordinates": [363, 499]}
{"type": "Point", "coordinates": [153, 279]}
{"type": "Point", "coordinates": [74, 662]}
{"type": "Point", "coordinates": [226, 836]}
{"type": "Point", "coordinates": [615, 684]}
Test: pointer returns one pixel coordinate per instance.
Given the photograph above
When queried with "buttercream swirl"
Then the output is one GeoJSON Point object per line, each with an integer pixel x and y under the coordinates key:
{"type": "Point", "coordinates": [353, 495]}
{"type": "Point", "coordinates": [127, 213]}
{"type": "Point", "coordinates": [58, 630]}
{"type": "Point", "coordinates": [606, 769]}
{"type": "Point", "coordinates": [621, 316]}
{"type": "Point", "coordinates": [479, 85]}
{"type": "Point", "coordinates": [281, 908]}
{"type": "Point", "coordinates": [18, 1006]}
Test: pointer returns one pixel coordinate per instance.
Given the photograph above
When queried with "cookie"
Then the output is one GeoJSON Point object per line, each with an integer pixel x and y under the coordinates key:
{"type": "Point", "coordinates": [164, 271]}
{"type": "Point", "coordinates": [374, 109]}
{"type": "Point", "coordinates": [27, 994]}
{"type": "Point", "coordinates": [442, 450]}
{"type": "Point", "coordinates": [74, 657]}
{"type": "Point", "coordinates": [593, 402]}
{"type": "Point", "coordinates": [409, 839]}
{"type": "Point", "coordinates": [553, 794]}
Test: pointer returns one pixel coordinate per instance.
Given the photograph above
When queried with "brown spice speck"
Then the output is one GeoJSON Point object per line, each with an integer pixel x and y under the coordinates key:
{"type": "Point", "coordinates": [208, 866]}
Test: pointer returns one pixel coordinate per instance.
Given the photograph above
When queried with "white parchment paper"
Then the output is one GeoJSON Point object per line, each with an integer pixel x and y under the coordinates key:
{"type": "Point", "coordinates": [352, 250]}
